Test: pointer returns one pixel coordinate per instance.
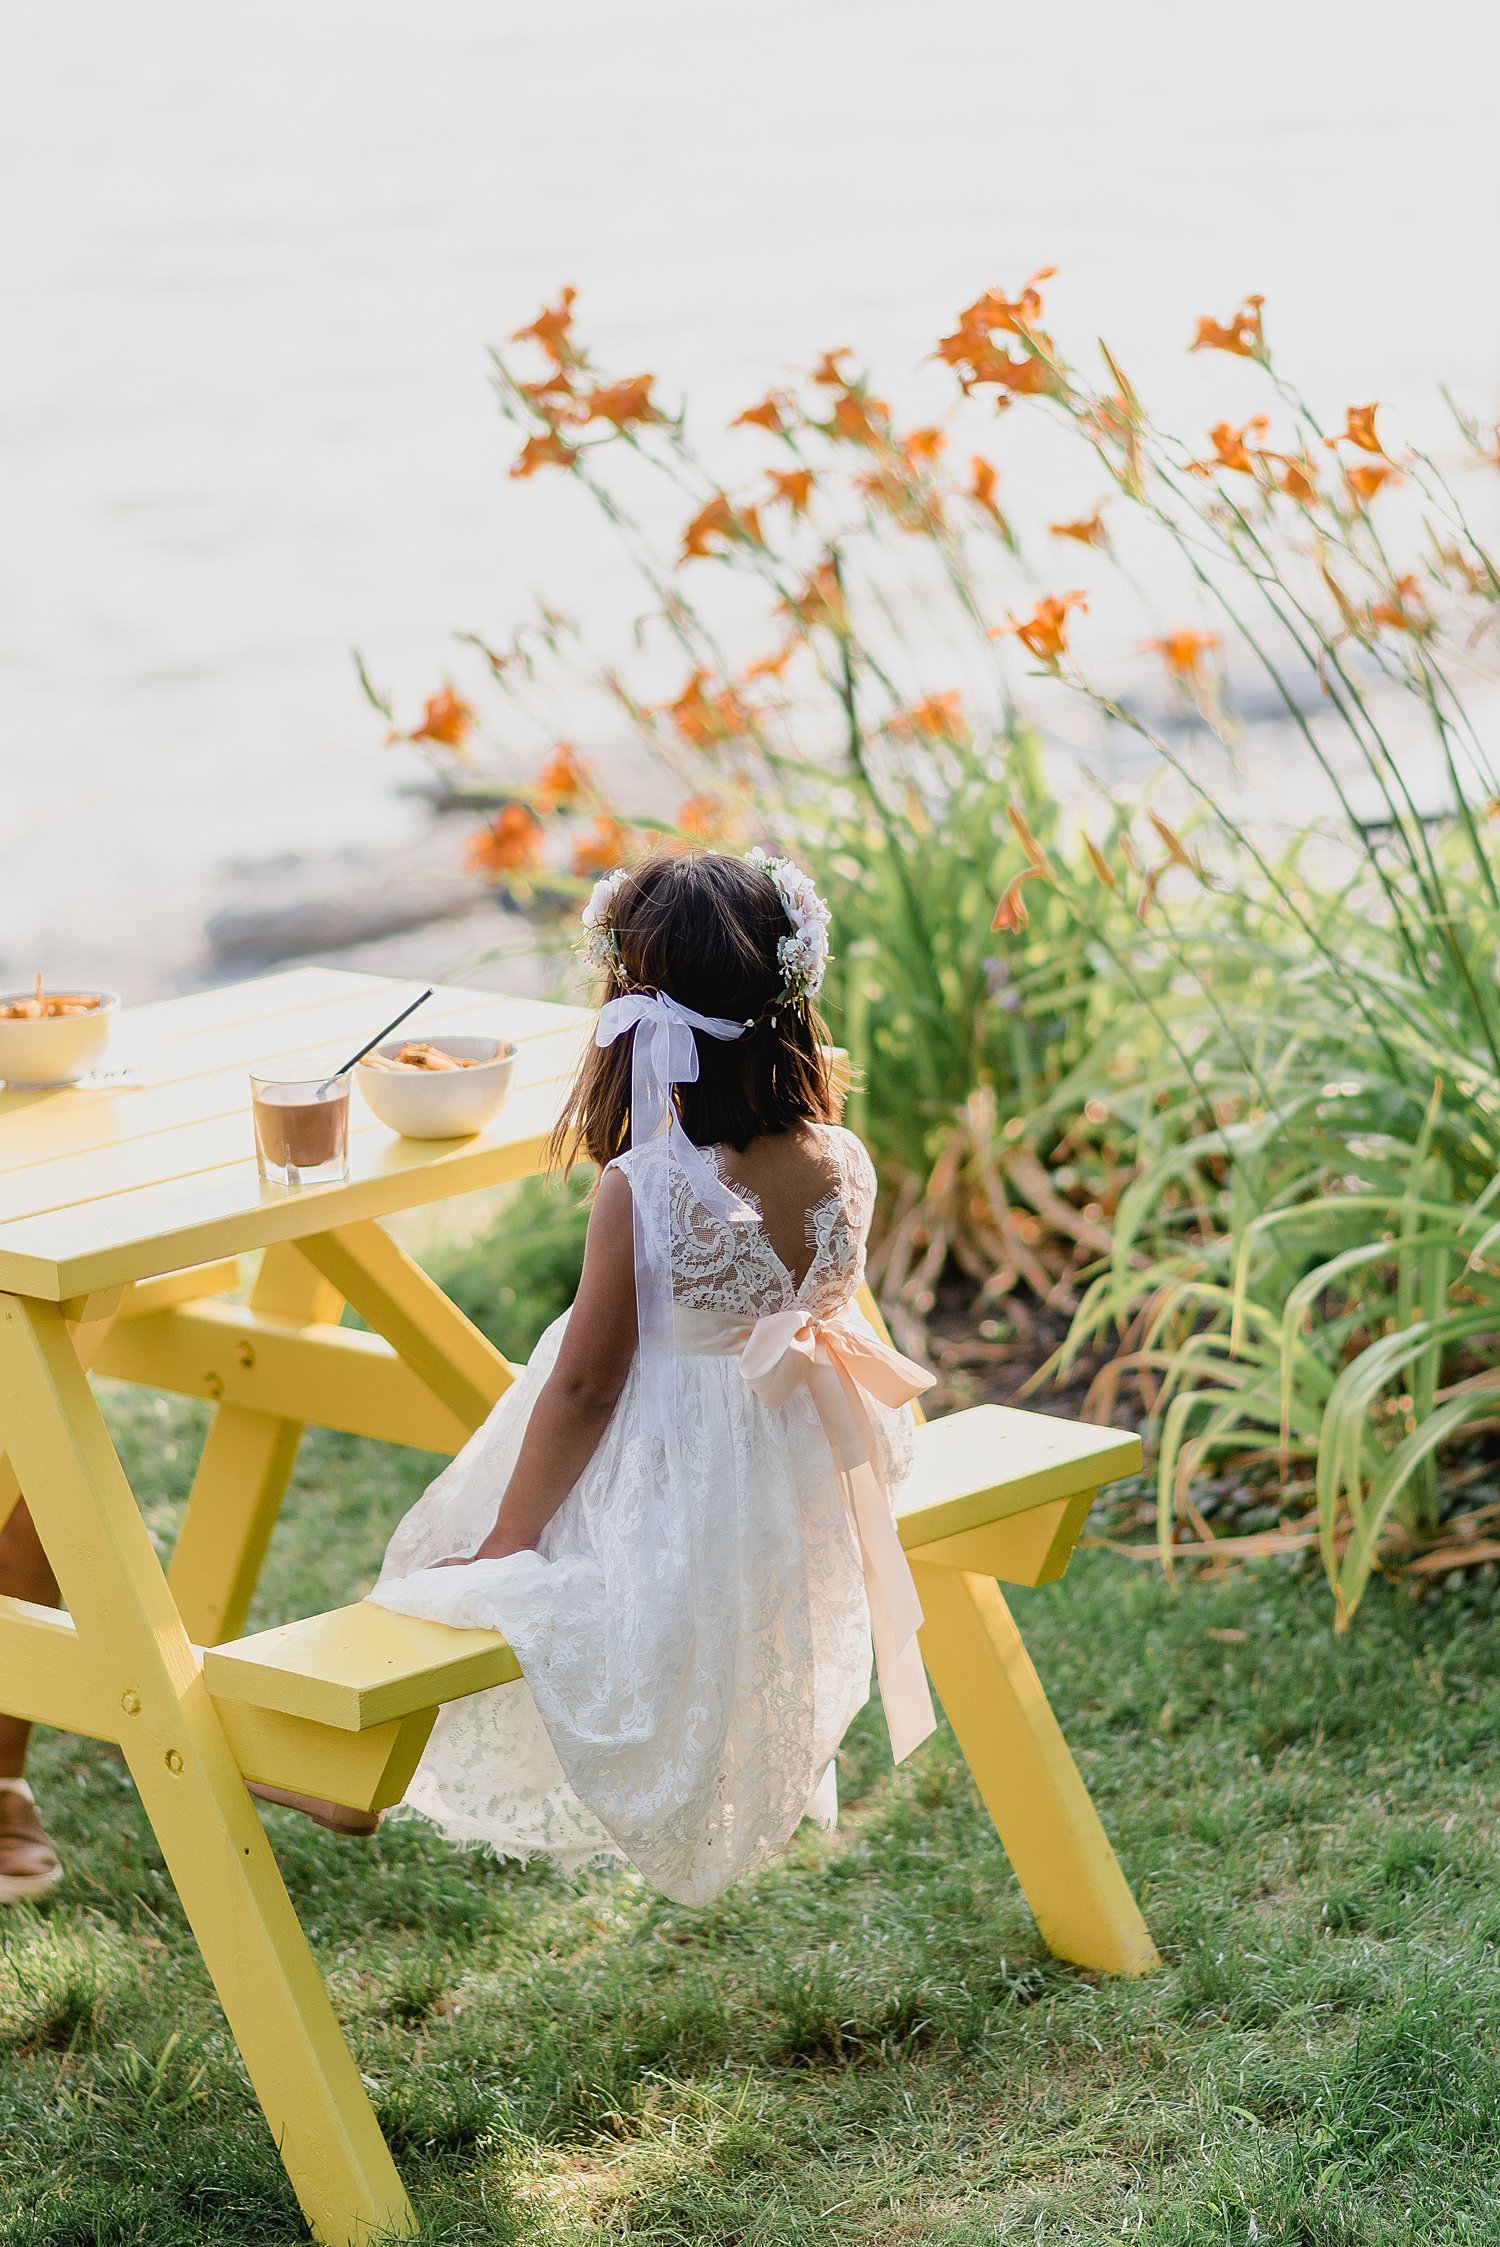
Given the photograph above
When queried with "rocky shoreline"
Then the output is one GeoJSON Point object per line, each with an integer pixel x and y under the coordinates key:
{"type": "Point", "coordinates": [411, 911]}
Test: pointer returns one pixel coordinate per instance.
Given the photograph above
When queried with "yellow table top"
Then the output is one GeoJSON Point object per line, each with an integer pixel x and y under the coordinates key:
{"type": "Point", "coordinates": [109, 1183]}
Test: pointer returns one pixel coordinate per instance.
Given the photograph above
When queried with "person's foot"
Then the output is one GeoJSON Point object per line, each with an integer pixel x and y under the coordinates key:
{"type": "Point", "coordinates": [333, 1817]}
{"type": "Point", "coordinates": [28, 1861]}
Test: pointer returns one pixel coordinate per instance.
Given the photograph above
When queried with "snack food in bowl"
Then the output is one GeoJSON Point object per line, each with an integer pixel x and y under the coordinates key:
{"type": "Point", "coordinates": [437, 1088]}
{"type": "Point", "coordinates": [54, 1037]}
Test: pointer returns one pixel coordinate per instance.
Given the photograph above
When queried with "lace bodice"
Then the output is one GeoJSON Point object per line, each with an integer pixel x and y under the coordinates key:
{"type": "Point", "coordinates": [719, 1266]}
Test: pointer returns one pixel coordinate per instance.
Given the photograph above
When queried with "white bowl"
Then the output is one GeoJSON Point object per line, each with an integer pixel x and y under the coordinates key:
{"type": "Point", "coordinates": [440, 1103]}
{"type": "Point", "coordinates": [56, 1049]}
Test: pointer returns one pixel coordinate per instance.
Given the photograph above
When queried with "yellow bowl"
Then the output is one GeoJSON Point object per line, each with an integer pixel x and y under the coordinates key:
{"type": "Point", "coordinates": [440, 1103]}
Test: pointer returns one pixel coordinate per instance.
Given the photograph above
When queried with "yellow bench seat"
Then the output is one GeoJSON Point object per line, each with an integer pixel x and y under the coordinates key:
{"type": "Point", "coordinates": [357, 1667]}
{"type": "Point", "coordinates": [1005, 1493]}
{"type": "Point", "coordinates": [342, 1704]}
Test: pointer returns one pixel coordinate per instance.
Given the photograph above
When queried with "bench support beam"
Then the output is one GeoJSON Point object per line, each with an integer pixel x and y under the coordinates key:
{"type": "Point", "coordinates": [1028, 1780]}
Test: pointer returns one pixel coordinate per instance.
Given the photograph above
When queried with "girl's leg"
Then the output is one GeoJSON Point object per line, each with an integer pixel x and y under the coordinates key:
{"type": "Point", "coordinates": [28, 1861]}
{"type": "Point", "coordinates": [334, 1817]}
{"type": "Point", "coordinates": [25, 1573]}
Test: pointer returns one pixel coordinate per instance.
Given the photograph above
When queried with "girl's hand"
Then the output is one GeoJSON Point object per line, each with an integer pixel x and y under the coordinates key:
{"type": "Point", "coordinates": [491, 1549]}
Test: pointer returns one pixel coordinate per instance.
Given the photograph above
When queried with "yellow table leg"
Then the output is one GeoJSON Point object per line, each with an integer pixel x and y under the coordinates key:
{"type": "Point", "coordinates": [10, 1489]}
{"type": "Point", "coordinates": [210, 1836]}
{"type": "Point", "coordinates": [242, 1475]}
{"type": "Point", "coordinates": [1028, 1780]}
{"type": "Point", "coordinates": [395, 1297]}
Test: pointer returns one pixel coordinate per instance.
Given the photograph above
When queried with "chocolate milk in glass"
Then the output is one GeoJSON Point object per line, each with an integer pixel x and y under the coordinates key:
{"type": "Point", "coordinates": [301, 1130]}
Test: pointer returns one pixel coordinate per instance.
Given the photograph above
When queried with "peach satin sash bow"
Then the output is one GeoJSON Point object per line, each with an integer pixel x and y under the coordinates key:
{"type": "Point", "coordinates": [841, 1362]}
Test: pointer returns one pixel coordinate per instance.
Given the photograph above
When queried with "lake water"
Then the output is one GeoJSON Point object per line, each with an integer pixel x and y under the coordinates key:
{"type": "Point", "coordinates": [251, 263]}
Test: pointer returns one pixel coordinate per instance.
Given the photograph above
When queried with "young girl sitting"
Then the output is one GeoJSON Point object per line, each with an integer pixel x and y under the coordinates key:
{"type": "Point", "coordinates": [680, 1515]}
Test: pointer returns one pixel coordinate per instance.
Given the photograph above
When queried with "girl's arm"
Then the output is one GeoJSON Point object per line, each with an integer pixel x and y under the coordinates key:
{"type": "Point", "coordinates": [574, 1405]}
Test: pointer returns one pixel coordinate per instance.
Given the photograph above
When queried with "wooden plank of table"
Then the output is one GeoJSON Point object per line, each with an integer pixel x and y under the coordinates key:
{"type": "Point", "coordinates": [162, 1228]}
{"type": "Point", "coordinates": [208, 1141]}
{"type": "Point", "coordinates": [37, 1124]}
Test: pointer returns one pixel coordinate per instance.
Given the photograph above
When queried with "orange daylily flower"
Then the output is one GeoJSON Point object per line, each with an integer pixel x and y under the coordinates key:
{"type": "Point", "coordinates": [1183, 652]}
{"type": "Point", "coordinates": [769, 414]}
{"type": "Point", "coordinates": [985, 478]}
{"type": "Point", "coordinates": [510, 844]}
{"type": "Point", "coordinates": [703, 718]}
{"type": "Point", "coordinates": [1408, 612]}
{"type": "Point", "coordinates": [540, 452]}
{"type": "Point", "coordinates": [857, 418]}
{"type": "Point", "coordinates": [719, 520]}
{"type": "Point", "coordinates": [794, 485]}
{"type": "Point", "coordinates": [1242, 334]}
{"type": "Point", "coordinates": [552, 398]}
{"type": "Point", "coordinates": [1230, 449]}
{"type": "Point", "coordinates": [828, 371]}
{"type": "Point", "coordinates": [924, 444]}
{"type": "Point", "coordinates": [1298, 478]}
{"type": "Point", "coordinates": [564, 780]}
{"type": "Point", "coordinates": [974, 356]}
{"type": "Point", "coordinates": [551, 329]}
{"type": "Point", "coordinates": [1370, 476]}
{"type": "Point", "coordinates": [708, 819]}
{"type": "Point", "coordinates": [1017, 315]}
{"type": "Point", "coordinates": [447, 720]}
{"type": "Point", "coordinates": [626, 403]}
{"type": "Point", "coordinates": [1359, 429]}
{"type": "Point", "coordinates": [771, 666]}
{"type": "Point", "coordinates": [1044, 632]}
{"type": "Point", "coordinates": [605, 846]}
{"type": "Point", "coordinates": [939, 717]}
{"type": "Point", "coordinates": [1011, 913]}
{"type": "Point", "coordinates": [821, 600]}
{"type": "Point", "coordinates": [907, 504]}
{"type": "Point", "coordinates": [1088, 531]}
{"type": "Point", "coordinates": [1018, 378]}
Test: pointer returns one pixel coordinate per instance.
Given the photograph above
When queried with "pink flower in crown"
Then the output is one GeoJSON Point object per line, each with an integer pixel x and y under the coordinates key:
{"type": "Point", "coordinates": [804, 954]}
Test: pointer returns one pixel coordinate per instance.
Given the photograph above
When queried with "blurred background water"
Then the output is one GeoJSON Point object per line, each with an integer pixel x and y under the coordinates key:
{"type": "Point", "coordinates": [251, 263]}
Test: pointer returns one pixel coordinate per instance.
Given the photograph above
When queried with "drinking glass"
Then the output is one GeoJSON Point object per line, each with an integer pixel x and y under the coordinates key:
{"type": "Point", "coordinates": [301, 1129]}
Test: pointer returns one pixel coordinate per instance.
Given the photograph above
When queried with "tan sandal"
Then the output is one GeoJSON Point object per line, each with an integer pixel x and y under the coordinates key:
{"type": "Point", "coordinates": [333, 1817]}
{"type": "Point", "coordinates": [28, 1862]}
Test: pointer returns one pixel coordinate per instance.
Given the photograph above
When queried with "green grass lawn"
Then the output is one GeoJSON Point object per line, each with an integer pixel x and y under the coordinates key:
{"type": "Point", "coordinates": [868, 2042]}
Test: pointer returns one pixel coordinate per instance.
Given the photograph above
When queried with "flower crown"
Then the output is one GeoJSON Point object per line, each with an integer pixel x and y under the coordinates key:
{"type": "Point", "coordinates": [802, 953]}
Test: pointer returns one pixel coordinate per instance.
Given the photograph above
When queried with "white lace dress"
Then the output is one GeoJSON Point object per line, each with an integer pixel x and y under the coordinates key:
{"type": "Point", "coordinates": [693, 1640]}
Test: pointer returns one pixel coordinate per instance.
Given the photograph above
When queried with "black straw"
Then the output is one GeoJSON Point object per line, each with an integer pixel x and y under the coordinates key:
{"type": "Point", "coordinates": [374, 1042]}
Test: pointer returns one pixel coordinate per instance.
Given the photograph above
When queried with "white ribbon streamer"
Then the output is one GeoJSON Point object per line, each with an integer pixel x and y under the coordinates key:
{"type": "Point", "coordinates": [665, 1053]}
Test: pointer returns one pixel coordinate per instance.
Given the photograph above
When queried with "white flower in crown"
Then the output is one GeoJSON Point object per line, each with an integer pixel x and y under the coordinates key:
{"type": "Point", "coordinates": [600, 946]}
{"type": "Point", "coordinates": [804, 954]}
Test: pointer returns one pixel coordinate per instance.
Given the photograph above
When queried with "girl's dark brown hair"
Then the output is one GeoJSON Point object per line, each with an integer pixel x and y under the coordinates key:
{"type": "Point", "coordinates": [704, 928]}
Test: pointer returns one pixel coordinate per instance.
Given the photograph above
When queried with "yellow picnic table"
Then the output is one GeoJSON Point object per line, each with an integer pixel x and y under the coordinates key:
{"type": "Point", "coordinates": [124, 1212]}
